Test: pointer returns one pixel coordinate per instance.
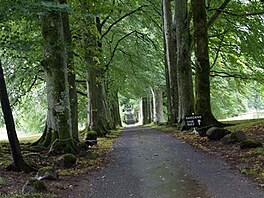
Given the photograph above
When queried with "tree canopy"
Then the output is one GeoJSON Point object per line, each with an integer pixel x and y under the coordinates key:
{"type": "Point", "coordinates": [131, 53]}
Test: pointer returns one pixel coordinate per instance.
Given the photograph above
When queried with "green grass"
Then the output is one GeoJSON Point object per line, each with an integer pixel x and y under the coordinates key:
{"type": "Point", "coordinates": [25, 138]}
{"type": "Point", "coordinates": [242, 124]}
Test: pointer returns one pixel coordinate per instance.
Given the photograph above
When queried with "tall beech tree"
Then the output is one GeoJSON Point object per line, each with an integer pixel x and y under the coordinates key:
{"type": "Point", "coordinates": [146, 110]}
{"type": "Point", "coordinates": [97, 64]}
{"type": "Point", "coordinates": [59, 134]}
{"type": "Point", "coordinates": [184, 70]}
{"type": "Point", "coordinates": [71, 74]}
{"type": "Point", "coordinates": [170, 46]}
{"type": "Point", "coordinates": [157, 95]}
{"type": "Point", "coordinates": [95, 88]}
{"type": "Point", "coordinates": [18, 162]}
{"type": "Point", "coordinates": [202, 65]}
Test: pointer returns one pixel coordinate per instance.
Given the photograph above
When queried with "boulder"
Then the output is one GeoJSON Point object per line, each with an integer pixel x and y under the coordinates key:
{"type": "Point", "coordinates": [90, 135]}
{"type": "Point", "coordinates": [66, 161]}
{"type": "Point", "coordinates": [236, 136]}
{"type": "Point", "coordinates": [248, 144]}
{"type": "Point", "coordinates": [202, 130]}
{"type": "Point", "coordinates": [90, 143]}
{"type": "Point", "coordinates": [216, 133]}
{"type": "Point", "coordinates": [90, 138]}
{"type": "Point", "coordinates": [227, 139]}
{"type": "Point", "coordinates": [34, 186]}
{"type": "Point", "coordinates": [47, 173]}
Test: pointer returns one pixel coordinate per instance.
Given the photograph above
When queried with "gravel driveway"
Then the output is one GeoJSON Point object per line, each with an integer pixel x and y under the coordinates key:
{"type": "Point", "coordinates": [147, 163]}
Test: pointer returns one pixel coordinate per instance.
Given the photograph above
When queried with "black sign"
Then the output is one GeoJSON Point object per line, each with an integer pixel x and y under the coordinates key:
{"type": "Point", "coordinates": [193, 121]}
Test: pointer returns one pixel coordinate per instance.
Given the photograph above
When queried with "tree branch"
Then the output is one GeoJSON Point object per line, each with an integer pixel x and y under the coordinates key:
{"type": "Point", "coordinates": [120, 19]}
{"type": "Point", "coordinates": [28, 90]}
{"type": "Point", "coordinates": [138, 35]}
{"type": "Point", "coordinates": [106, 18]}
{"type": "Point", "coordinates": [115, 48]}
{"type": "Point", "coordinates": [218, 51]}
{"type": "Point", "coordinates": [224, 74]}
{"type": "Point", "coordinates": [244, 14]}
{"type": "Point", "coordinates": [217, 13]}
{"type": "Point", "coordinates": [82, 93]}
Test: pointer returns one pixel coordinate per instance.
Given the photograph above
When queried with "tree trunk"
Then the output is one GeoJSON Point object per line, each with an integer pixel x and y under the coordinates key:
{"type": "Point", "coordinates": [106, 108]}
{"type": "Point", "coordinates": [97, 101]}
{"type": "Point", "coordinates": [97, 121]}
{"type": "Point", "coordinates": [150, 106]}
{"type": "Point", "coordinates": [18, 161]}
{"type": "Point", "coordinates": [202, 65]}
{"type": "Point", "coordinates": [185, 84]}
{"type": "Point", "coordinates": [146, 110]}
{"type": "Point", "coordinates": [71, 75]}
{"type": "Point", "coordinates": [55, 63]}
{"type": "Point", "coordinates": [114, 109]}
{"type": "Point", "coordinates": [158, 117]}
{"type": "Point", "coordinates": [171, 62]}
{"type": "Point", "coordinates": [96, 106]}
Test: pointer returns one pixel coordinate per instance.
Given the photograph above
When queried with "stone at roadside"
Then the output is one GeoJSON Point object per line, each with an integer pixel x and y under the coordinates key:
{"type": "Point", "coordinates": [90, 143]}
{"type": "Point", "coordinates": [248, 144]}
{"type": "Point", "coordinates": [34, 186]}
{"type": "Point", "coordinates": [202, 130]}
{"type": "Point", "coordinates": [239, 136]}
{"type": "Point", "coordinates": [228, 140]}
{"type": "Point", "coordinates": [90, 138]}
{"type": "Point", "coordinates": [47, 173]}
{"type": "Point", "coordinates": [66, 161]}
{"type": "Point", "coordinates": [236, 136]}
{"type": "Point", "coordinates": [216, 133]}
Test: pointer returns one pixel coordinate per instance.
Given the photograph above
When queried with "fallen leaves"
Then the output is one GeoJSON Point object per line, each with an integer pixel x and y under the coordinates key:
{"type": "Point", "coordinates": [249, 162]}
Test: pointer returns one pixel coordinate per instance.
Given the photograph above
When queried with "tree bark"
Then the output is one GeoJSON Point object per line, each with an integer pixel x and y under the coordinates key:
{"type": "Point", "coordinates": [97, 114]}
{"type": "Point", "coordinates": [59, 136]}
{"type": "Point", "coordinates": [114, 109]}
{"type": "Point", "coordinates": [18, 161]}
{"type": "Point", "coordinates": [158, 117]}
{"type": "Point", "coordinates": [71, 75]}
{"type": "Point", "coordinates": [171, 62]}
{"type": "Point", "coordinates": [202, 65]}
{"type": "Point", "coordinates": [184, 72]}
{"type": "Point", "coordinates": [146, 111]}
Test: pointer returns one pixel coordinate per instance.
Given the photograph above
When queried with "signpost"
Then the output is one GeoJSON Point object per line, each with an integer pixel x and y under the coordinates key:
{"type": "Point", "coordinates": [193, 121]}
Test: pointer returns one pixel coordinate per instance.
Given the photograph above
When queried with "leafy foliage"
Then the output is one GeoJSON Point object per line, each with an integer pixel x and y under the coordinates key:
{"type": "Point", "coordinates": [132, 53]}
{"type": "Point", "coordinates": [236, 55]}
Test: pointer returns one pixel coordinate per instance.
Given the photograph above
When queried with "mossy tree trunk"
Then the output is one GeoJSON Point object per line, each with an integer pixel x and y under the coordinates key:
{"type": "Point", "coordinates": [71, 75]}
{"type": "Point", "coordinates": [58, 135]}
{"type": "Point", "coordinates": [202, 65]}
{"type": "Point", "coordinates": [184, 74]}
{"type": "Point", "coordinates": [96, 105]}
{"type": "Point", "coordinates": [170, 43]}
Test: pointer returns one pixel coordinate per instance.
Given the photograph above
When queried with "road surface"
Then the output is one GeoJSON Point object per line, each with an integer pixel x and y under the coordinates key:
{"type": "Point", "coordinates": [147, 163]}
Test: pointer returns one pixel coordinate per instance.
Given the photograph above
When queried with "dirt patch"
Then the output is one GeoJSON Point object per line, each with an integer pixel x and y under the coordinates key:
{"type": "Point", "coordinates": [11, 183]}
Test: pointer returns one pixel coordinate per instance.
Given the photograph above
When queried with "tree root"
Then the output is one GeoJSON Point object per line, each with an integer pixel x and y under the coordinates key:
{"type": "Point", "coordinates": [64, 146]}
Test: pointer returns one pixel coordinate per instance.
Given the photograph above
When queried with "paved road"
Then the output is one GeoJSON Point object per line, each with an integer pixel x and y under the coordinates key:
{"type": "Point", "coordinates": [146, 163]}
